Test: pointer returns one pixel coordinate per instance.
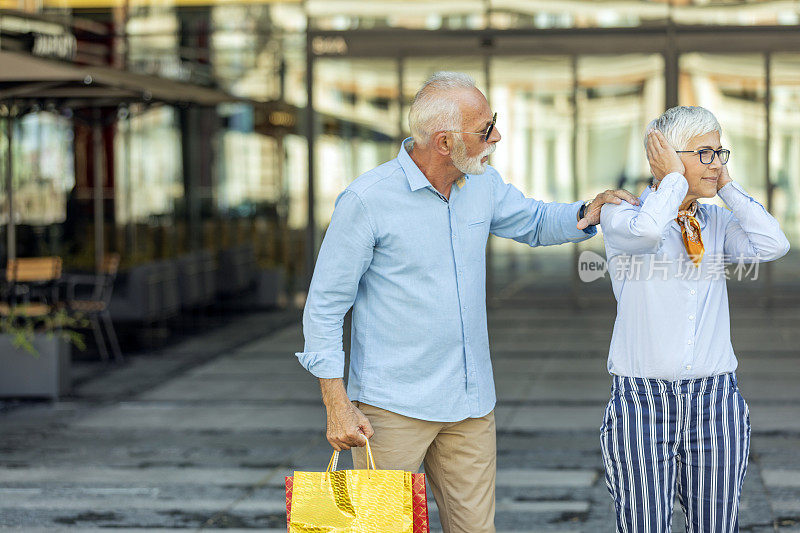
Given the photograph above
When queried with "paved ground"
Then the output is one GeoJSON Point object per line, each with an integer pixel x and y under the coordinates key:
{"type": "Point", "coordinates": [199, 435]}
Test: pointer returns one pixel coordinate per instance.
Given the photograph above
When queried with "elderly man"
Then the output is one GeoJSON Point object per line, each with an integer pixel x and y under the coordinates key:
{"type": "Point", "coordinates": [676, 420]}
{"type": "Point", "coordinates": [406, 249]}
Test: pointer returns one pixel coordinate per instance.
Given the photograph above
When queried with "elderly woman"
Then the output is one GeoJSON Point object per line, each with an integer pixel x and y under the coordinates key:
{"type": "Point", "coordinates": [676, 421]}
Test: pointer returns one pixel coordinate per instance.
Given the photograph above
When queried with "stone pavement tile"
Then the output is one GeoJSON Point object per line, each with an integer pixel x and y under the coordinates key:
{"type": "Point", "coordinates": [84, 475]}
{"type": "Point", "coordinates": [774, 418]}
{"type": "Point", "coordinates": [777, 450]}
{"type": "Point", "coordinates": [158, 503]}
{"type": "Point", "coordinates": [753, 365]}
{"type": "Point", "coordinates": [546, 344]}
{"type": "Point", "coordinates": [771, 387]}
{"type": "Point", "coordinates": [545, 478]}
{"type": "Point", "coordinates": [171, 416]}
{"type": "Point", "coordinates": [242, 364]}
{"type": "Point", "coordinates": [56, 529]}
{"type": "Point", "coordinates": [144, 448]}
{"type": "Point", "coordinates": [227, 388]}
{"type": "Point", "coordinates": [781, 478]}
{"type": "Point", "coordinates": [553, 368]}
{"type": "Point", "coordinates": [565, 388]}
{"type": "Point", "coordinates": [555, 418]}
{"type": "Point", "coordinates": [787, 507]}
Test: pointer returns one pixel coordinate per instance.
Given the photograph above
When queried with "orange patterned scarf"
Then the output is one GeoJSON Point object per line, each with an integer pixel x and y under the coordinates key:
{"type": "Point", "coordinates": [690, 230]}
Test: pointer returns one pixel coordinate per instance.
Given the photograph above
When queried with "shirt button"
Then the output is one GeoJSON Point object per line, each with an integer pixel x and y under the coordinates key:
{"type": "Point", "coordinates": [691, 317]}
{"type": "Point", "coordinates": [688, 367]}
{"type": "Point", "coordinates": [690, 292]}
{"type": "Point", "coordinates": [464, 307]}
{"type": "Point", "coordinates": [689, 341]}
{"type": "Point", "coordinates": [454, 235]}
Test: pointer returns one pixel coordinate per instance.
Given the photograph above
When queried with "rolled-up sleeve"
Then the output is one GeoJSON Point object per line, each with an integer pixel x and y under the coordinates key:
{"type": "Point", "coordinates": [638, 229]}
{"type": "Point", "coordinates": [752, 234]}
{"type": "Point", "coordinates": [344, 256]}
{"type": "Point", "coordinates": [534, 222]}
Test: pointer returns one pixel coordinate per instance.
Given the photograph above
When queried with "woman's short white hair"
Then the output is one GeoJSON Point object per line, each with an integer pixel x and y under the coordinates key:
{"type": "Point", "coordinates": [680, 124]}
{"type": "Point", "coordinates": [434, 108]}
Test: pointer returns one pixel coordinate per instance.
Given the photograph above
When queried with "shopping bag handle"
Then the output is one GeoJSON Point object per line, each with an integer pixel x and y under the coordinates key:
{"type": "Point", "coordinates": [334, 462]}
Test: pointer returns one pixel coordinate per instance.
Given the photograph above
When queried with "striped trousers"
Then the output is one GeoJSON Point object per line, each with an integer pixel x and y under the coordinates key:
{"type": "Point", "coordinates": [690, 437]}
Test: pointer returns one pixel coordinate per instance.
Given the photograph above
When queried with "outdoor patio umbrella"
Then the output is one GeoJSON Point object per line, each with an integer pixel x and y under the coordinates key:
{"type": "Point", "coordinates": [27, 80]}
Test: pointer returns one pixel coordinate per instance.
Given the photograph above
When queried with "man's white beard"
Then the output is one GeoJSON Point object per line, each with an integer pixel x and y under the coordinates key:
{"type": "Point", "coordinates": [469, 165]}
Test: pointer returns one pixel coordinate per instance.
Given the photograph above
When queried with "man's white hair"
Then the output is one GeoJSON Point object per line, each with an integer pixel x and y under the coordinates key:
{"type": "Point", "coordinates": [434, 108]}
{"type": "Point", "coordinates": [680, 124]}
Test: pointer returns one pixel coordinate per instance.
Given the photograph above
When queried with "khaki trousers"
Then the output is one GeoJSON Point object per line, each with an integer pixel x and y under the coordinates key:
{"type": "Point", "coordinates": [460, 462]}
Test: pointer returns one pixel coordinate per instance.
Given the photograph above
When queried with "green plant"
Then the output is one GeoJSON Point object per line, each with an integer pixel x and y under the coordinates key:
{"type": "Point", "coordinates": [61, 324]}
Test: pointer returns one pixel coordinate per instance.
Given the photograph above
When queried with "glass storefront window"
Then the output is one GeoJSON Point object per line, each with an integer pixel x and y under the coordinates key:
{"type": "Point", "coordinates": [508, 14]}
{"type": "Point", "coordinates": [43, 181]}
{"type": "Point", "coordinates": [736, 13]}
{"type": "Point", "coordinates": [533, 100]}
{"type": "Point", "coordinates": [358, 112]}
{"type": "Point", "coordinates": [344, 15]}
{"type": "Point", "coordinates": [44, 171]}
{"type": "Point", "coordinates": [412, 14]}
{"type": "Point", "coordinates": [732, 87]}
{"type": "Point", "coordinates": [617, 97]}
{"type": "Point", "coordinates": [785, 142]}
{"type": "Point", "coordinates": [149, 185]}
{"type": "Point", "coordinates": [153, 33]}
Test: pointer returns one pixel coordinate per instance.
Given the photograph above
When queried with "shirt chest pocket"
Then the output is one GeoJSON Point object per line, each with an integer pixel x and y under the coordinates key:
{"type": "Point", "coordinates": [475, 237]}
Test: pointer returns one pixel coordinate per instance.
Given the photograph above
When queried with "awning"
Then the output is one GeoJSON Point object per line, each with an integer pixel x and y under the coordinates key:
{"type": "Point", "coordinates": [27, 77]}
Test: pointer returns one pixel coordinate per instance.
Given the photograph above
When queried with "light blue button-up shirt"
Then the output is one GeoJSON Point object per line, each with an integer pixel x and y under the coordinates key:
{"type": "Point", "coordinates": [672, 317]}
{"type": "Point", "coordinates": [412, 264]}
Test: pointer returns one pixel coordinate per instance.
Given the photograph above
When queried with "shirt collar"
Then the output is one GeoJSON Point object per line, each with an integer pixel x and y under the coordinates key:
{"type": "Point", "coordinates": [701, 215]}
{"type": "Point", "coordinates": [416, 179]}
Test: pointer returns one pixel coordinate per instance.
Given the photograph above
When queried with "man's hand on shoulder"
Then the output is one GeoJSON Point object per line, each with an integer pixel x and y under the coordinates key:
{"type": "Point", "coordinates": [347, 426]}
{"type": "Point", "coordinates": [591, 215]}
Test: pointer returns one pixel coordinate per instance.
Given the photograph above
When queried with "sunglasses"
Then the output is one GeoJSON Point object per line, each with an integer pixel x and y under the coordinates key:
{"type": "Point", "coordinates": [486, 133]}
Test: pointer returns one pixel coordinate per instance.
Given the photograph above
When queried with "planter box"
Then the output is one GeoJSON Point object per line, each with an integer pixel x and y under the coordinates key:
{"type": "Point", "coordinates": [23, 375]}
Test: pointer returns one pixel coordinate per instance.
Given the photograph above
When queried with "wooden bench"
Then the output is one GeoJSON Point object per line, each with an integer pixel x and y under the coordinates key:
{"type": "Point", "coordinates": [23, 275]}
{"type": "Point", "coordinates": [33, 270]}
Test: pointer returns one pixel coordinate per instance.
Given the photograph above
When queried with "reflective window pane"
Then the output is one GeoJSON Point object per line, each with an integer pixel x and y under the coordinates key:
{"type": "Point", "coordinates": [506, 14]}
{"type": "Point", "coordinates": [785, 142]}
{"type": "Point", "coordinates": [358, 116]}
{"type": "Point", "coordinates": [413, 14]}
{"type": "Point", "coordinates": [736, 13]}
{"type": "Point", "coordinates": [533, 98]}
{"type": "Point", "coordinates": [733, 88]}
{"type": "Point", "coordinates": [617, 97]}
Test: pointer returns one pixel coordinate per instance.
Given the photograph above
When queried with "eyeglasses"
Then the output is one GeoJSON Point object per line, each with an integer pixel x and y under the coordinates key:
{"type": "Point", "coordinates": [486, 134]}
{"type": "Point", "coordinates": [707, 155]}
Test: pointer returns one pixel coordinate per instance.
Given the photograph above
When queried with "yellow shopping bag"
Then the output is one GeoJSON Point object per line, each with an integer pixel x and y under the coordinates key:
{"type": "Point", "coordinates": [351, 501]}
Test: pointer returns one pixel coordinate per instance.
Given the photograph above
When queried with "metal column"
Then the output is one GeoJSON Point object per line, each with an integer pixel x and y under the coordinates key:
{"type": "Point", "coordinates": [574, 279]}
{"type": "Point", "coordinates": [98, 190]}
{"type": "Point", "coordinates": [487, 80]}
{"type": "Point", "coordinates": [11, 243]}
{"type": "Point", "coordinates": [768, 279]}
{"type": "Point", "coordinates": [311, 233]}
{"type": "Point", "coordinates": [400, 98]}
